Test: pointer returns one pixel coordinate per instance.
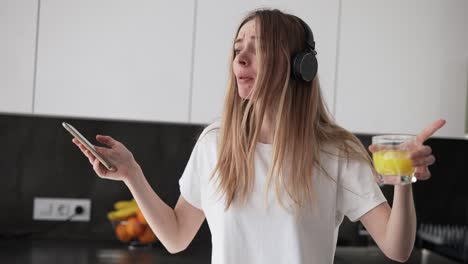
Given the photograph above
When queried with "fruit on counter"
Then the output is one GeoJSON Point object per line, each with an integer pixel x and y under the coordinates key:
{"type": "Point", "coordinates": [124, 204]}
{"type": "Point", "coordinates": [134, 227]}
{"type": "Point", "coordinates": [140, 217]}
{"type": "Point", "coordinates": [129, 223]}
{"type": "Point", "coordinates": [121, 232]}
{"type": "Point", "coordinates": [123, 213]}
{"type": "Point", "coordinates": [147, 236]}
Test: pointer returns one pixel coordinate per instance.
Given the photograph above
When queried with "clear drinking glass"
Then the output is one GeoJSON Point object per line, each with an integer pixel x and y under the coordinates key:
{"type": "Point", "coordinates": [392, 158]}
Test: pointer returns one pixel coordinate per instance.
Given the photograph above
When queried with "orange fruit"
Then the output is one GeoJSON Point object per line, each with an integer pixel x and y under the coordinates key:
{"type": "Point", "coordinates": [147, 236]}
{"type": "Point", "coordinates": [134, 227]}
{"type": "Point", "coordinates": [121, 232]}
{"type": "Point", "coordinates": [140, 217]}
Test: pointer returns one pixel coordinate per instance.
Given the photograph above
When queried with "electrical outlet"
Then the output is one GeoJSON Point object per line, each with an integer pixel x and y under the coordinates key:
{"type": "Point", "coordinates": [61, 209]}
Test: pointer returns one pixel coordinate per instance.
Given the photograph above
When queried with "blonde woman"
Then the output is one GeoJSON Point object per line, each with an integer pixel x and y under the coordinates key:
{"type": "Point", "coordinates": [276, 175]}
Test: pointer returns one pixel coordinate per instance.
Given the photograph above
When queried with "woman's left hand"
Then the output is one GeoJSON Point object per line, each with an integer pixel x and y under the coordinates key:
{"type": "Point", "coordinates": [421, 155]}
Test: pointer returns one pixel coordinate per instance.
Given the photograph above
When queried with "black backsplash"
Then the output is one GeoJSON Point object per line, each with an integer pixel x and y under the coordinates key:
{"type": "Point", "coordinates": [444, 198]}
{"type": "Point", "coordinates": [38, 159]}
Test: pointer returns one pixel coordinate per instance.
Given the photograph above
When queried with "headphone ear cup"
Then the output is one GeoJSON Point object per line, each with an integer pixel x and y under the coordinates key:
{"type": "Point", "coordinates": [305, 66]}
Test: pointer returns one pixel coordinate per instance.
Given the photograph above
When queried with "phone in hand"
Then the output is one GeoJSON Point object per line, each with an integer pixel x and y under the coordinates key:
{"type": "Point", "coordinates": [87, 145]}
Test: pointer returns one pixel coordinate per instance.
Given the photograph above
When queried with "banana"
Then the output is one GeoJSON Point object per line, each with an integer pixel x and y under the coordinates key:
{"type": "Point", "coordinates": [125, 203]}
{"type": "Point", "coordinates": [122, 214]}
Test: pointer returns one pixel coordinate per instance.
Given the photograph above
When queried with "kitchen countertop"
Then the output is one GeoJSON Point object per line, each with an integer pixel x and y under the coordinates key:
{"type": "Point", "coordinates": [91, 252]}
{"type": "Point", "coordinates": [364, 255]}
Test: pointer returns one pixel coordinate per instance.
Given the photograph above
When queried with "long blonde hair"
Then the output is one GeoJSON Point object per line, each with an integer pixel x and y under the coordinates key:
{"type": "Point", "coordinates": [302, 122]}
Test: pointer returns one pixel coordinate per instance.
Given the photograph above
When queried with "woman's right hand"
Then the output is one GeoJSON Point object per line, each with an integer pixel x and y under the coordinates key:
{"type": "Point", "coordinates": [117, 154]}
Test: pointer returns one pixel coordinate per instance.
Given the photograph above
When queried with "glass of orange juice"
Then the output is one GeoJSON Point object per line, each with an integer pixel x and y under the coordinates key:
{"type": "Point", "coordinates": [392, 158]}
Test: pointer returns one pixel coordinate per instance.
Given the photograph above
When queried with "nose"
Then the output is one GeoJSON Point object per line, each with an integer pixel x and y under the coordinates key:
{"type": "Point", "coordinates": [242, 59]}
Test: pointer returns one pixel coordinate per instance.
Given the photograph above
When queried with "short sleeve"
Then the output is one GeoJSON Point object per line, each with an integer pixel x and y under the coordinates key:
{"type": "Point", "coordinates": [357, 192]}
{"type": "Point", "coordinates": [190, 187]}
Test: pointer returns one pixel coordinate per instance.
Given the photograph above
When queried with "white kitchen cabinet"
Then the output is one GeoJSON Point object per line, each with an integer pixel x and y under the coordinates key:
{"type": "Point", "coordinates": [17, 50]}
{"type": "Point", "coordinates": [115, 59]}
{"type": "Point", "coordinates": [216, 26]}
{"type": "Point", "coordinates": [401, 65]}
{"type": "Point", "coordinates": [322, 17]}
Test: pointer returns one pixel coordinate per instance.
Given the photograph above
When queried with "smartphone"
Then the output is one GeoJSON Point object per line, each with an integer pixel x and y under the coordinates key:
{"type": "Point", "coordinates": [87, 145]}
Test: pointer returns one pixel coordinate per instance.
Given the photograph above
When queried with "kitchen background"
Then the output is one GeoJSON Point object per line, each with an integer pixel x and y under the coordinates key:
{"type": "Point", "coordinates": [153, 73]}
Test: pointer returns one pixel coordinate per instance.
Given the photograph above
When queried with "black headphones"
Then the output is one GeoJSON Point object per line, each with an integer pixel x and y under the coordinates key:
{"type": "Point", "coordinates": [304, 63]}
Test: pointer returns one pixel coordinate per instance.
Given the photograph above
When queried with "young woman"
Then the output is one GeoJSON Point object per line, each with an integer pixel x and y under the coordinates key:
{"type": "Point", "coordinates": [275, 177]}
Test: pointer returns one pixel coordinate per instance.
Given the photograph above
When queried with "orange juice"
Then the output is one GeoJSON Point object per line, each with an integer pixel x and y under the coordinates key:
{"type": "Point", "coordinates": [393, 163]}
{"type": "Point", "coordinates": [392, 158]}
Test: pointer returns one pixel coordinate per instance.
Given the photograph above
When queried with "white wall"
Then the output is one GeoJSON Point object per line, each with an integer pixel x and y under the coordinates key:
{"type": "Point", "coordinates": [17, 50]}
{"type": "Point", "coordinates": [168, 60]}
{"type": "Point", "coordinates": [402, 65]}
{"type": "Point", "coordinates": [216, 26]}
{"type": "Point", "coordinates": [115, 59]}
{"type": "Point", "coordinates": [322, 16]}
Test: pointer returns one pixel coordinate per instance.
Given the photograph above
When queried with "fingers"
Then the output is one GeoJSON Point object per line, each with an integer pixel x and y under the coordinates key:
{"type": "Point", "coordinates": [85, 151]}
{"type": "Point", "coordinates": [107, 155]}
{"type": "Point", "coordinates": [424, 162]}
{"type": "Point", "coordinates": [430, 130]}
{"type": "Point", "coordinates": [102, 151]}
{"type": "Point", "coordinates": [107, 140]}
{"type": "Point", "coordinates": [99, 168]}
{"type": "Point", "coordinates": [422, 152]}
{"type": "Point", "coordinates": [422, 173]}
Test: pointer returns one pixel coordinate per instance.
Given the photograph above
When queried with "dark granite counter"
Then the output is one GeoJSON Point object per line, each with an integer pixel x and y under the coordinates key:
{"type": "Point", "coordinates": [91, 252]}
{"type": "Point", "coordinates": [364, 255]}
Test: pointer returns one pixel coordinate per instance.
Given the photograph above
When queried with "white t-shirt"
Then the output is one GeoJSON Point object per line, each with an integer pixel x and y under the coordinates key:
{"type": "Point", "coordinates": [269, 234]}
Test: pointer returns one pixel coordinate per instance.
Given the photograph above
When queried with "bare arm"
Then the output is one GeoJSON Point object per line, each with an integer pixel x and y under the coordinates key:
{"type": "Point", "coordinates": [175, 228]}
{"type": "Point", "coordinates": [394, 230]}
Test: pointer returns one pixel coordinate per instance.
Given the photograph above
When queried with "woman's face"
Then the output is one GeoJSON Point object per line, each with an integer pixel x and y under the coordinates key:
{"type": "Point", "coordinates": [245, 60]}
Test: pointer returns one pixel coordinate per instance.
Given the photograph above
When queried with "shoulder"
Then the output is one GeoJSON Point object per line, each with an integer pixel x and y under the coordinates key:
{"type": "Point", "coordinates": [210, 133]}
{"type": "Point", "coordinates": [346, 150]}
{"type": "Point", "coordinates": [347, 157]}
{"type": "Point", "coordinates": [332, 153]}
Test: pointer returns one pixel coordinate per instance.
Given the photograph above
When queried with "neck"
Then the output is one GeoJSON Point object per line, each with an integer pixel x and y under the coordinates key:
{"type": "Point", "coordinates": [266, 131]}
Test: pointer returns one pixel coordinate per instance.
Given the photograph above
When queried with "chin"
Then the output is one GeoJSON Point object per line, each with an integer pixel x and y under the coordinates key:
{"type": "Point", "coordinates": [244, 92]}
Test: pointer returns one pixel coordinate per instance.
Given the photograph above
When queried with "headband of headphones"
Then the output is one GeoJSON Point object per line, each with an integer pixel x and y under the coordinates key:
{"type": "Point", "coordinates": [309, 37]}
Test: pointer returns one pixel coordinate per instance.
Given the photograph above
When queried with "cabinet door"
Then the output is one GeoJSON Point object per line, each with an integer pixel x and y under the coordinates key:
{"type": "Point", "coordinates": [217, 22]}
{"type": "Point", "coordinates": [17, 50]}
{"type": "Point", "coordinates": [322, 18]}
{"type": "Point", "coordinates": [216, 25]}
{"type": "Point", "coordinates": [402, 64]}
{"type": "Point", "coordinates": [115, 59]}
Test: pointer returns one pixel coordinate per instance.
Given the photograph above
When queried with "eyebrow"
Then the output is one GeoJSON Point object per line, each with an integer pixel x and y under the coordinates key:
{"type": "Point", "coordinates": [240, 39]}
